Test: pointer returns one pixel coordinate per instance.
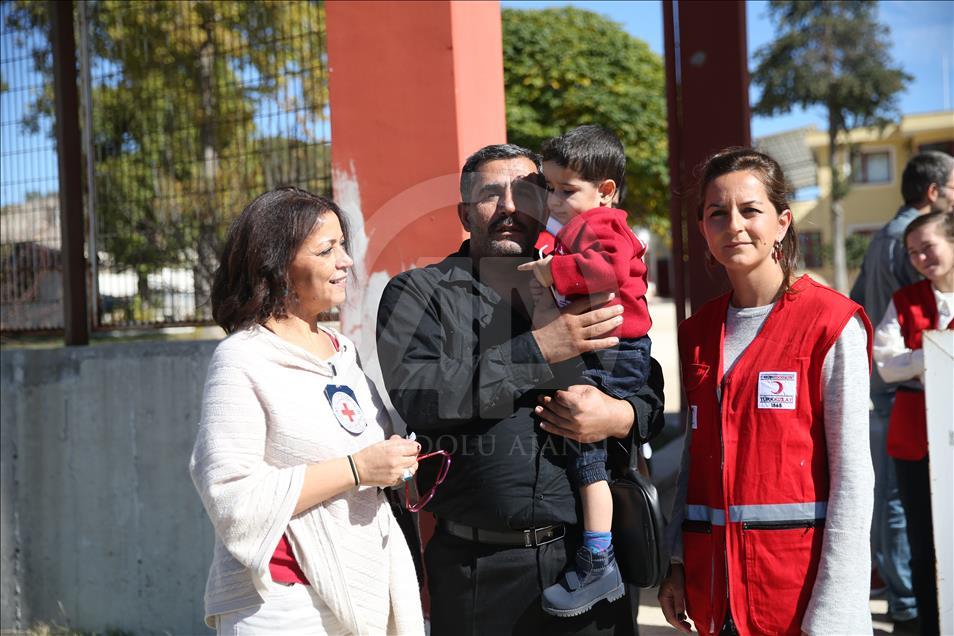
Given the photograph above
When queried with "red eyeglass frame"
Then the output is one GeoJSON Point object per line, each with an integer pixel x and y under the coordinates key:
{"type": "Point", "coordinates": [441, 476]}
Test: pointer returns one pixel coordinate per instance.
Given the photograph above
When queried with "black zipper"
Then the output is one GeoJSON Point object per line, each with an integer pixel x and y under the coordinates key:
{"type": "Point", "coordinates": [779, 525]}
{"type": "Point", "coordinates": [697, 526]}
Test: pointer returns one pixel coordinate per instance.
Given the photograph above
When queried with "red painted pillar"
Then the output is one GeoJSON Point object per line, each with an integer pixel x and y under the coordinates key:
{"type": "Point", "coordinates": [415, 87]}
{"type": "Point", "coordinates": [707, 83]}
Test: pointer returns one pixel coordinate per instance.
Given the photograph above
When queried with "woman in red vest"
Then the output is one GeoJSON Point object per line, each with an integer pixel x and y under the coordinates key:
{"type": "Point", "coordinates": [899, 358]}
{"type": "Point", "coordinates": [770, 528]}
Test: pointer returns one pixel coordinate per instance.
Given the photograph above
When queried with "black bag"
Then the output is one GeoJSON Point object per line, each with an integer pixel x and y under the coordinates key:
{"type": "Point", "coordinates": [638, 526]}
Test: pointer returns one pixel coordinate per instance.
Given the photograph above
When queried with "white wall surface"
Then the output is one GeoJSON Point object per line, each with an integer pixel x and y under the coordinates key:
{"type": "Point", "coordinates": [939, 392]}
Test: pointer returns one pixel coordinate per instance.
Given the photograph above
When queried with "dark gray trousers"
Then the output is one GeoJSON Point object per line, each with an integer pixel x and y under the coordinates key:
{"type": "Point", "coordinates": [479, 589]}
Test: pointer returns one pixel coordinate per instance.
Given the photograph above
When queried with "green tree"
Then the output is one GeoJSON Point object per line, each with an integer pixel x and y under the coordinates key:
{"type": "Point", "coordinates": [178, 149]}
{"type": "Point", "coordinates": [836, 55]}
{"type": "Point", "coordinates": [567, 67]}
{"type": "Point", "coordinates": [855, 247]}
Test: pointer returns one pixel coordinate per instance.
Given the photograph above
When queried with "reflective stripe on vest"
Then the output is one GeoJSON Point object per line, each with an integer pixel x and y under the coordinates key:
{"type": "Point", "coordinates": [763, 513]}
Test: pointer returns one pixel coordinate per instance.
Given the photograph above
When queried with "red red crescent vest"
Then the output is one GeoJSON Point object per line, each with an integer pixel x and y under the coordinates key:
{"type": "Point", "coordinates": [907, 428]}
{"type": "Point", "coordinates": [758, 487]}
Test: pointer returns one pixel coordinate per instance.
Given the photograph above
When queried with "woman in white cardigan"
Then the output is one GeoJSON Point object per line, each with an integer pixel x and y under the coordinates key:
{"type": "Point", "coordinates": [294, 444]}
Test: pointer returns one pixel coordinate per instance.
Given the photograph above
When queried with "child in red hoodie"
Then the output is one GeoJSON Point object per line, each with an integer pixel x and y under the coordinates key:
{"type": "Point", "coordinates": [595, 251]}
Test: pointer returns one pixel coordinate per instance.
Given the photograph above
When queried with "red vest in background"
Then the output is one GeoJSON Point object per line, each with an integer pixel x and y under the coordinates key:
{"type": "Point", "coordinates": [758, 466]}
{"type": "Point", "coordinates": [907, 428]}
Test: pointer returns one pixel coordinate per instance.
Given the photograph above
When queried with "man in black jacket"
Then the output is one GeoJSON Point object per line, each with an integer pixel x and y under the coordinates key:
{"type": "Point", "coordinates": [471, 364]}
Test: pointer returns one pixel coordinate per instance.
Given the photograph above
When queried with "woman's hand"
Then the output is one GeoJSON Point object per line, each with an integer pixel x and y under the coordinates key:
{"type": "Point", "coordinates": [672, 598]}
{"type": "Point", "coordinates": [383, 464]}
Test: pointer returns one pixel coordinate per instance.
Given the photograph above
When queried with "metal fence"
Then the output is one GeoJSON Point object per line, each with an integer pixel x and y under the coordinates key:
{"type": "Point", "coordinates": [189, 109]}
{"type": "Point", "coordinates": [30, 268]}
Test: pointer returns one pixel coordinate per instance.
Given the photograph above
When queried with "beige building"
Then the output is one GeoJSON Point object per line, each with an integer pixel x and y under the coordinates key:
{"type": "Point", "coordinates": [876, 159]}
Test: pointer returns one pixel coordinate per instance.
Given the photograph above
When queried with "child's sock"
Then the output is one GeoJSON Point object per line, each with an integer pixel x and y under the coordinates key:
{"type": "Point", "coordinates": [597, 541]}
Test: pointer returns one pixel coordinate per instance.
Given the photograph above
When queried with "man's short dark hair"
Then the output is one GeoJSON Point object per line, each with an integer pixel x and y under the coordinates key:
{"type": "Point", "coordinates": [922, 170]}
{"type": "Point", "coordinates": [593, 152]}
{"type": "Point", "coordinates": [491, 153]}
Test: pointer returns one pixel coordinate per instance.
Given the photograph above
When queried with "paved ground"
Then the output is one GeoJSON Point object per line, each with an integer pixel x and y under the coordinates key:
{"type": "Point", "coordinates": [652, 623]}
{"type": "Point", "coordinates": [665, 349]}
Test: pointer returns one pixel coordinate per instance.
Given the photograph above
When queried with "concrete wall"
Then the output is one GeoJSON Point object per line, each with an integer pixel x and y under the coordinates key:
{"type": "Point", "coordinates": [101, 527]}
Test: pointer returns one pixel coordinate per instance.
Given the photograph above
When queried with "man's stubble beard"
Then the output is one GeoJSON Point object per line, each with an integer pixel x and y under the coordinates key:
{"type": "Point", "coordinates": [507, 248]}
{"type": "Point", "coordinates": [482, 245]}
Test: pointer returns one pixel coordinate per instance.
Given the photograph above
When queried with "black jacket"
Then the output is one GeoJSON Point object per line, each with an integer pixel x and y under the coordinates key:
{"type": "Point", "coordinates": [464, 371]}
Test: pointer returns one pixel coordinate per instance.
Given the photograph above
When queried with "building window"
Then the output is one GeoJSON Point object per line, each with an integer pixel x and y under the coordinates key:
{"type": "Point", "coordinates": [942, 146]}
{"type": "Point", "coordinates": [871, 167]}
{"type": "Point", "coordinates": [810, 245]}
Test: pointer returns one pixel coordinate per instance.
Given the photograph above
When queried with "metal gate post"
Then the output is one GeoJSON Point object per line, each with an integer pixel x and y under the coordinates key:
{"type": "Point", "coordinates": [708, 93]}
{"type": "Point", "coordinates": [70, 166]}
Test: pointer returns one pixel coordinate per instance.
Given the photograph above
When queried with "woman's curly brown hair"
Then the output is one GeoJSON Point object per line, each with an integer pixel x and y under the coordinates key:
{"type": "Point", "coordinates": [251, 283]}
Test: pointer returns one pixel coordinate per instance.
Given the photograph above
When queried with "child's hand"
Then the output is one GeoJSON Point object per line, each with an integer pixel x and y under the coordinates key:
{"type": "Point", "coordinates": [540, 269]}
{"type": "Point", "coordinates": [537, 292]}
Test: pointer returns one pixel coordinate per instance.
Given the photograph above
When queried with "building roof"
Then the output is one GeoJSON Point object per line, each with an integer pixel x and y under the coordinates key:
{"type": "Point", "coordinates": [36, 220]}
{"type": "Point", "coordinates": [940, 121]}
{"type": "Point", "coordinates": [791, 151]}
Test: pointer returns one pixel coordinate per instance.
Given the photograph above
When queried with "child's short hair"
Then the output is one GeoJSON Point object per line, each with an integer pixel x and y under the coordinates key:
{"type": "Point", "coordinates": [591, 151]}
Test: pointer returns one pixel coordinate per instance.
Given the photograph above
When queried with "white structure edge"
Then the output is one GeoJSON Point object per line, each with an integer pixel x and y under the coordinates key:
{"type": "Point", "coordinates": [939, 392]}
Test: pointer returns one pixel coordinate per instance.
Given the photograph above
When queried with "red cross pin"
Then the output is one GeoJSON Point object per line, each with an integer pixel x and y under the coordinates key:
{"type": "Point", "coordinates": [347, 412]}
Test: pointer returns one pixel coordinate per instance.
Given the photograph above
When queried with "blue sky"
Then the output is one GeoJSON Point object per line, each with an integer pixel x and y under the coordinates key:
{"type": "Point", "coordinates": [922, 34]}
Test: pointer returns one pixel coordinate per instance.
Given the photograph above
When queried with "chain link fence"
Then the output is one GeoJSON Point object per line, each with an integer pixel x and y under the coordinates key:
{"type": "Point", "coordinates": [31, 276]}
{"type": "Point", "coordinates": [189, 110]}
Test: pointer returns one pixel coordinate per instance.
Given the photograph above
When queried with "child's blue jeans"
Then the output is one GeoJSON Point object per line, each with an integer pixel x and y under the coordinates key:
{"type": "Point", "coordinates": [620, 372]}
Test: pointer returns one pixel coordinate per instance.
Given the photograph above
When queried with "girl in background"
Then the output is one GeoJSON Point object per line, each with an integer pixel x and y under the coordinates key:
{"type": "Point", "coordinates": [899, 357]}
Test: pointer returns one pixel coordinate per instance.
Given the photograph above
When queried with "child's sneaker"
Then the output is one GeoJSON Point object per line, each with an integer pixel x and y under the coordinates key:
{"type": "Point", "coordinates": [595, 578]}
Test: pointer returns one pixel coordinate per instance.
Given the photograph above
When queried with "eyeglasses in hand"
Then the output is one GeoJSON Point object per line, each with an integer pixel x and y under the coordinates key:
{"type": "Point", "coordinates": [412, 500]}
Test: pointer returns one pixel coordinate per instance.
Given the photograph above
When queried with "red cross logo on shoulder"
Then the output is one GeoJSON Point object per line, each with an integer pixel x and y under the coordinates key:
{"type": "Point", "coordinates": [347, 412]}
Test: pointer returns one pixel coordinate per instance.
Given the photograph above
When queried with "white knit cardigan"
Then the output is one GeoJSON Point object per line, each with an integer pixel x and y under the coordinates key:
{"type": "Point", "coordinates": [264, 418]}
